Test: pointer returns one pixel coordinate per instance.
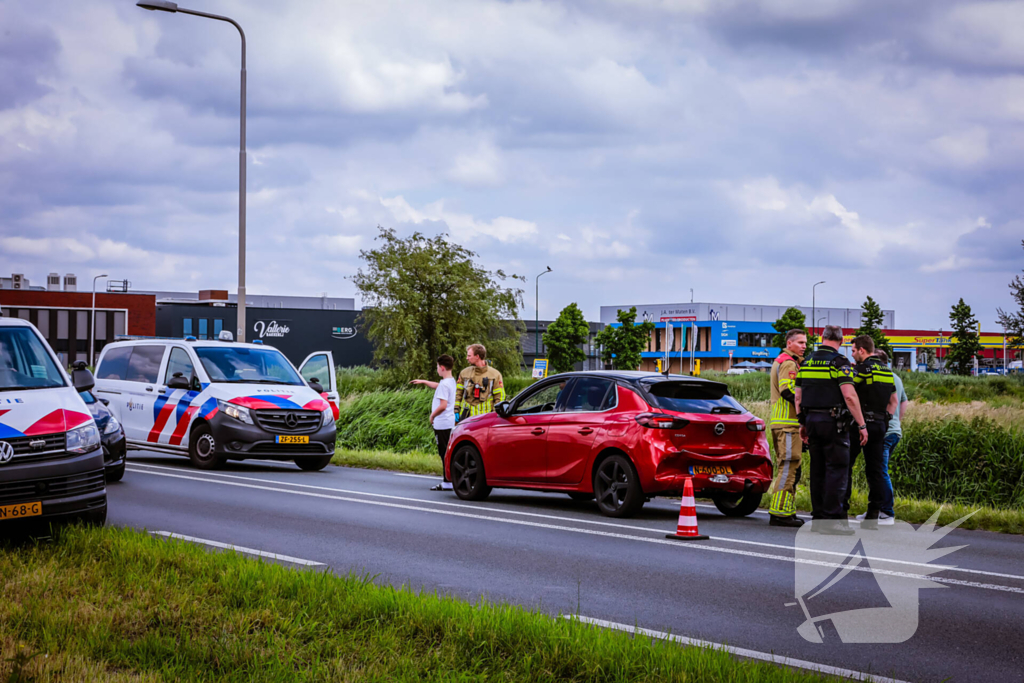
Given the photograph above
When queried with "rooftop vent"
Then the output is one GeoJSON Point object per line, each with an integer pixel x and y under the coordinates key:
{"type": "Point", "coordinates": [53, 282]}
{"type": "Point", "coordinates": [70, 283]}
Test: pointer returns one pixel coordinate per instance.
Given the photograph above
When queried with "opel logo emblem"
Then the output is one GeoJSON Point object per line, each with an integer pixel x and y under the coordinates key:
{"type": "Point", "coordinates": [6, 452]}
{"type": "Point", "coordinates": [291, 420]}
{"type": "Point", "coordinates": [719, 429]}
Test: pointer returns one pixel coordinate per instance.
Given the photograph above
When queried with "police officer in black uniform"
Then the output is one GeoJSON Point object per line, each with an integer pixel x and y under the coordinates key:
{"type": "Point", "coordinates": [876, 390]}
{"type": "Point", "coordinates": [825, 403]}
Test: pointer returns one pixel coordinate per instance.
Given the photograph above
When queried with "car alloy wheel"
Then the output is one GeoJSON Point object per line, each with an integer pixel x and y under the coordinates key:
{"type": "Point", "coordinates": [468, 477]}
{"type": "Point", "coordinates": [616, 487]}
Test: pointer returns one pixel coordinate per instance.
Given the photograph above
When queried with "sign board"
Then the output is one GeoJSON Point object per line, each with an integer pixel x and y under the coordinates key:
{"type": "Point", "coordinates": [540, 368]}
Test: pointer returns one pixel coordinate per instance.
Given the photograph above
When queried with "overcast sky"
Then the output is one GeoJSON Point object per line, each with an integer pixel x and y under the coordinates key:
{"type": "Point", "coordinates": [746, 149]}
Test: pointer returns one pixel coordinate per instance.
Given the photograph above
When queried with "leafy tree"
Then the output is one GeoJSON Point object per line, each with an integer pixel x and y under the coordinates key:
{"type": "Point", "coordinates": [623, 345]}
{"type": "Point", "coordinates": [564, 337]}
{"type": "Point", "coordinates": [792, 319]}
{"type": "Point", "coordinates": [871, 318]}
{"type": "Point", "coordinates": [425, 296]}
{"type": "Point", "coordinates": [967, 347]}
{"type": "Point", "coordinates": [1013, 321]}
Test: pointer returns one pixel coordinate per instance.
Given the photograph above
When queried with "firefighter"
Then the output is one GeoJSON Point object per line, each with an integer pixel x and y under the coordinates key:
{"type": "Point", "coordinates": [479, 386]}
{"type": "Point", "coordinates": [786, 431]}
{"type": "Point", "coordinates": [876, 390]}
{"type": "Point", "coordinates": [826, 402]}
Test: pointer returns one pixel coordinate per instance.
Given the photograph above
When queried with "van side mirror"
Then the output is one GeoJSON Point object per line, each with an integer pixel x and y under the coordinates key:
{"type": "Point", "coordinates": [503, 409]}
{"type": "Point", "coordinates": [315, 385]}
{"type": "Point", "coordinates": [178, 381]}
{"type": "Point", "coordinates": [81, 378]}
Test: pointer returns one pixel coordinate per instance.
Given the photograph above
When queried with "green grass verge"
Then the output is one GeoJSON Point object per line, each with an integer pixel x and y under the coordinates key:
{"type": "Point", "coordinates": [113, 604]}
{"type": "Point", "coordinates": [416, 462]}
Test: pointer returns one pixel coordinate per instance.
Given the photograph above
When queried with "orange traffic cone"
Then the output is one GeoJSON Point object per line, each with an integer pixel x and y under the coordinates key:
{"type": "Point", "coordinates": [686, 530]}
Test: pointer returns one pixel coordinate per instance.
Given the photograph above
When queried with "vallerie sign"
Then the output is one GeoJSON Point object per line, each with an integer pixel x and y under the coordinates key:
{"type": "Point", "coordinates": [270, 329]}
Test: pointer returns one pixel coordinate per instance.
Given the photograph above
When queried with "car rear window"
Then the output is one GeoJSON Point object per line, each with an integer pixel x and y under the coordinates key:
{"type": "Point", "coordinates": [694, 397]}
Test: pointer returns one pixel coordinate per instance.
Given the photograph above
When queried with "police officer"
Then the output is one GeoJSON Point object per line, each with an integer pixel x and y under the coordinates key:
{"type": "Point", "coordinates": [786, 431]}
{"type": "Point", "coordinates": [825, 402]}
{"type": "Point", "coordinates": [876, 390]}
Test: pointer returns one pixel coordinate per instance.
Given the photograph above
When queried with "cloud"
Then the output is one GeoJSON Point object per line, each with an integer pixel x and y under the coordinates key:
{"type": "Point", "coordinates": [462, 226]}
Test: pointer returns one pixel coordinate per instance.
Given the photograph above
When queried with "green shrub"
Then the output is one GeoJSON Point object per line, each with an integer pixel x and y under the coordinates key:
{"type": "Point", "coordinates": [926, 386]}
{"type": "Point", "coordinates": [752, 386]}
{"type": "Point", "coordinates": [359, 379]}
{"type": "Point", "coordinates": [973, 461]}
{"type": "Point", "coordinates": [388, 421]}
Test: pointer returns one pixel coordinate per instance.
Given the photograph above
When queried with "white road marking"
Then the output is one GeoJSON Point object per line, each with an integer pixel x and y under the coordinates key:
{"type": "Point", "coordinates": [737, 651]}
{"type": "Point", "coordinates": [485, 508]}
{"type": "Point", "coordinates": [593, 532]}
{"type": "Point", "coordinates": [238, 549]}
{"type": "Point", "coordinates": [435, 477]}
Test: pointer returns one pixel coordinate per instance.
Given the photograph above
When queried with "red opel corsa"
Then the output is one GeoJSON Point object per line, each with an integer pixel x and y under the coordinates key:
{"type": "Point", "coordinates": [620, 437]}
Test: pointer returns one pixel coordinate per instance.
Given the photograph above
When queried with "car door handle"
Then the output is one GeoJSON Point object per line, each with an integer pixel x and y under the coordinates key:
{"type": "Point", "coordinates": [538, 431]}
{"type": "Point", "coordinates": [586, 430]}
{"type": "Point", "coordinates": [149, 388]}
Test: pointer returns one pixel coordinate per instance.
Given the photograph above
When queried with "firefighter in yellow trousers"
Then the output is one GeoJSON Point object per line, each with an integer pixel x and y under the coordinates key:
{"type": "Point", "coordinates": [786, 431]}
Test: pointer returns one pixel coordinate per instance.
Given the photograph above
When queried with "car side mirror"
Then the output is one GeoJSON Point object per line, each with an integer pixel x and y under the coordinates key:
{"type": "Point", "coordinates": [105, 401]}
{"type": "Point", "coordinates": [503, 409]}
{"type": "Point", "coordinates": [178, 381]}
{"type": "Point", "coordinates": [81, 378]}
{"type": "Point", "coordinates": [315, 385]}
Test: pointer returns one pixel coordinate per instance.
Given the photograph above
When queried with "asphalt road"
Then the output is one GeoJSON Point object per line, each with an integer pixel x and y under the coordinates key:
{"type": "Point", "coordinates": [548, 552]}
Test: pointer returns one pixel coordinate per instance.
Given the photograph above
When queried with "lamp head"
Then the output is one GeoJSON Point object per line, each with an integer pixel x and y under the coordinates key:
{"type": "Point", "coordinates": [549, 269]}
{"type": "Point", "coordinates": [162, 5]}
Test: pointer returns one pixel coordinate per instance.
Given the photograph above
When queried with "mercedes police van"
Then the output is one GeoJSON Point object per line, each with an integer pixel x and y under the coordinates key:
{"type": "Point", "coordinates": [51, 462]}
{"type": "Point", "coordinates": [217, 400]}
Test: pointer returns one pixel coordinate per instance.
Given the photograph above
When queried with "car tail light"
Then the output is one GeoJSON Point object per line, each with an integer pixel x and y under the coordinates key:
{"type": "Point", "coordinates": [755, 425]}
{"type": "Point", "coordinates": [660, 421]}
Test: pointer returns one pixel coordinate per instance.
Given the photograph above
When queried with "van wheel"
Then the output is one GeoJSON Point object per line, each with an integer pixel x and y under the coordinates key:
{"type": "Point", "coordinates": [201, 448]}
{"type": "Point", "coordinates": [468, 478]}
{"type": "Point", "coordinates": [314, 464]}
{"type": "Point", "coordinates": [736, 504]}
{"type": "Point", "coordinates": [617, 487]}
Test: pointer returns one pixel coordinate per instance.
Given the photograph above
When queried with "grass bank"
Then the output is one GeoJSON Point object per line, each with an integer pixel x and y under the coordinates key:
{"type": "Point", "coordinates": [117, 605]}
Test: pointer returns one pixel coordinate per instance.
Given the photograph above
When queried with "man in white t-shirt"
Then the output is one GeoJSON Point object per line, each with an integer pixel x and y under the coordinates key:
{"type": "Point", "coordinates": [442, 410]}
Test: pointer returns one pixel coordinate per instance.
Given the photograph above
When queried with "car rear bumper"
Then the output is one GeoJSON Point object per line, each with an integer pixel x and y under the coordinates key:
{"type": "Point", "coordinates": [66, 487]}
{"type": "Point", "coordinates": [237, 441]}
{"type": "Point", "coordinates": [748, 472]}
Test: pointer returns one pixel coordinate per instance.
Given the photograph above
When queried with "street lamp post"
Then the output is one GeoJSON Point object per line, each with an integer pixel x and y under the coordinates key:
{"type": "Point", "coordinates": [813, 302]}
{"type": "Point", "coordinates": [165, 6]}
{"type": "Point", "coordinates": [536, 322]}
{"type": "Point", "coordinates": [92, 335]}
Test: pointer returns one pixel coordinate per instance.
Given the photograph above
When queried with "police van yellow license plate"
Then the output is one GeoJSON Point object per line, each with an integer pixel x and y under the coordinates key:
{"type": "Point", "coordinates": [20, 510]}
{"type": "Point", "coordinates": [291, 439]}
{"type": "Point", "coordinates": [710, 469]}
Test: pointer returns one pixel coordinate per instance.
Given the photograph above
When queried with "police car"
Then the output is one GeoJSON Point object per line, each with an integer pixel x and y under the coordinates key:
{"type": "Point", "coordinates": [51, 463]}
{"type": "Point", "coordinates": [215, 401]}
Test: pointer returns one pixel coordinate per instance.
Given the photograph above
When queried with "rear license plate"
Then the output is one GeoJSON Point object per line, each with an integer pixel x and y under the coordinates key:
{"type": "Point", "coordinates": [710, 469]}
{"type": "Point", "coordinates": [21, 510]}
{"type": "Point", "coordinates": [291, 439]}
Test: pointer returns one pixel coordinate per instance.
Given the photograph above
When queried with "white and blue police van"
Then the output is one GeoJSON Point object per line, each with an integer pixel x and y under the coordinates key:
{"type": "Point", "coordinates": [51, 460]}
{"type": "Point", "coordinates": [220, 400]}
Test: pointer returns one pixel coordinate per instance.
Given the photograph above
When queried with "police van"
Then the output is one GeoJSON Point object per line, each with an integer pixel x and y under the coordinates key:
{"type": "Point", "coordinates": [51, 462]}
{"type": "Point", "coordinates": [214, 401]}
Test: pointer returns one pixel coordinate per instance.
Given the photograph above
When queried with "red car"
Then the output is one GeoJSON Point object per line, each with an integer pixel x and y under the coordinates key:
{"type": "Point", "coordinates": [620, 437]}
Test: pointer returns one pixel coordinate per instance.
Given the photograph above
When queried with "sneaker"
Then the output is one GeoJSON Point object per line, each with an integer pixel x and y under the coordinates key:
{"type": "Point", "coordinates": [788, 521]}
{"type": "Point", "coordinates": [437, 487]}
{"type": "Point", "coordinates": [447, 486]}
{"type": "Point", "coordinates": [886, 520]}
{"type": "Point", "coordinates": [834, 528]}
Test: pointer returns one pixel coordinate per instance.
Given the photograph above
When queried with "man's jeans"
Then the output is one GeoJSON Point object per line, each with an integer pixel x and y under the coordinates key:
{"type": "Point", "coordinates": [887, 498]}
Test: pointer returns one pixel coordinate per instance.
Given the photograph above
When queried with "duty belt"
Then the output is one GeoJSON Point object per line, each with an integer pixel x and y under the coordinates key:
{"type": "Point", "coordinates": [871, 416]}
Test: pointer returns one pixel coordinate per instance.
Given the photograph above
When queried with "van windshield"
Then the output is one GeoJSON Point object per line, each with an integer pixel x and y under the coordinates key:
{"type": "Point", "coordinates": [239, 365]}
{"type": "Point", "coordinates": [694, 397]}
{"type": "Point", "coordinates": [25, 362]}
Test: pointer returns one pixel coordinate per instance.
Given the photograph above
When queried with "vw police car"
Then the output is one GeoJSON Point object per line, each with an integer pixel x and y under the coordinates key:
{"type": "Point", "coordinates": [220, 400]}
{"type": "Point", "coordinates": [51, 463]}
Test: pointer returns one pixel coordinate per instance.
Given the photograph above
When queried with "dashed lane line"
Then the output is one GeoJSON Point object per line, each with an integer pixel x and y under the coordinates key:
{"type": "Point", "coordinates": [615, 525]}
{"type": "Point", "coordinates": [239, 549]}
{"type": "Point", "coordinates": [737, 651]}
{"type": "Point", "coordinates": [591, 532]}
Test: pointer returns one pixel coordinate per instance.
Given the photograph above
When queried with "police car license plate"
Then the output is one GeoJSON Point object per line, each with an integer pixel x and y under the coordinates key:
{"type": "Point", "coordinates": [21, 510]}
{"type": "Point", "coordinates": [291, 439]}
{"type": "Point", "coordinates": [710, 469]}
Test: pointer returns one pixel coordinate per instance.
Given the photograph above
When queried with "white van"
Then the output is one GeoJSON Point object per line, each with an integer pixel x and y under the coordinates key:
{"type": "Point", "coordinates": [51, 462]}
{"type": "Point", "coordinates": [219, 400]}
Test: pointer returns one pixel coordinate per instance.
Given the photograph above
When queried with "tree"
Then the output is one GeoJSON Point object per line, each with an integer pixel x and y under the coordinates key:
{"type": "Point", "coordinates": [792, 319]}
{"type": "Point", "coordinates": [871, 318]}
{"type": "Point", "coordinates": [967, 347]}
{"type": "Point", "coordinates": [623, 345]}
{"type": "Point", "coordinates": [564, 337]}
{"type": "Point", "coordinates": [424, 296]}
{"type": "Point", "coordinates": [1013, 321]}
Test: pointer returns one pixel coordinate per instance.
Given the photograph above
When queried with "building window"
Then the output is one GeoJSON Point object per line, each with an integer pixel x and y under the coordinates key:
{"type": "Point", "coordinates": [186, 327]}
{"type": "Point", "coordinates": [218, 325]}
{"type": "Point", "coordinates": [82, 324]}
{"type": "Point", "coordinates": [62, 324]}
{"type": "Point", "coordinates": [101, 325]}
{"type": "Point", "coordinates": [43, 323]}
{"type": "Point", "coordinates": [203, 322]}
{"type": "Point", "coordinates": [758, 339]}
{"type": "Point", "coordinates": [119, 323]}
